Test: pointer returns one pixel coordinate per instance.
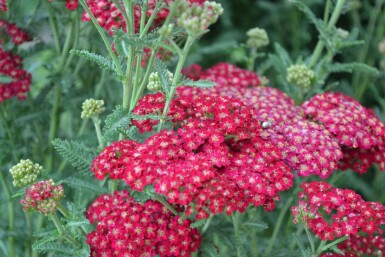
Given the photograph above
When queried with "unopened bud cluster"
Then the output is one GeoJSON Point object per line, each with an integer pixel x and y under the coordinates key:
{"type": "Point", "coordinates": [257, 38]}
{"type": "Point", "coordinates": [92, 108]}
{"type": "Point", "coordinates": [300, 75]}
{"type": "Point", "coordinates": [155, 83]}
{"type": "Point", "coordinates": [25, 173]}
{"type": "Point", "coordinates": [43, 197]}
{"type": "Point", "coordinates": [197, 18]}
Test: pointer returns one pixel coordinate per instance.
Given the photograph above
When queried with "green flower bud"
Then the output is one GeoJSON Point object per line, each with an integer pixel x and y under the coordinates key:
{"type": "Point", "coordinates": [92, 108]}
{"type": "Point", "coordinates": [155, 83]}
{"type": "Point", "coordinates": [166, 31]}
{"type": "Point", "coordinates": [257, 38]}
{"type": "Point", "coordinates": [342, 33]}
{"type": "Point", "coordinates": [25, 173]}
{"type": "Point", "coordinates": [300, 75]}
{"type": "Point", "coordinates": [196, 19]}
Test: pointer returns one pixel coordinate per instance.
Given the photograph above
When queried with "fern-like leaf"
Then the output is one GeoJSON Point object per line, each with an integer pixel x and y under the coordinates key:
{"type": "Point", "coordinates": [76, 154]}
{"type": "Point", "coordinates": [199, 83]}
{"type": "Point", "coordinates": [84, 185]}
{"type": "Point", "coordinates": [101, 61]}
{"type": "Point", "coordinates": [352, 67]}
{"type": "Point", "coordinates": [117, 121]}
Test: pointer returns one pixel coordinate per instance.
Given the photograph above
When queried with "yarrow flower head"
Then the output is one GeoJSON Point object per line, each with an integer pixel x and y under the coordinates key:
{"type": "Point", "coordinates": [17, 35]}
{"type": "Point", "coordinates": [331, 213]}
{"type": "Point", "coordinates": [19, 79]}
{"type": "Point", "coordinates": [257, 38]}
{"type": "Point", "coordinates": [300, 75]}
{"type": "Point", "coordinates": [306, 146]}
{"type": "Point", "coordinates": [3, 6]}
{"type": "Point", "coordinates": [359, 245]}
{"type": "Point", "coordinates": [128, 228]}
{"type": "Point", "coordinates": [92, 108]}
{"type": "Point", "coordinates": [25, 173]}
{"type": "Point", "coordinates": [196, 18]}
{"type": "Point", "coordinates": [214, 162]}
{"type": "Point", "coordinates": [357, 129]}
{"type": "Point", "coordinates": [43, 197]}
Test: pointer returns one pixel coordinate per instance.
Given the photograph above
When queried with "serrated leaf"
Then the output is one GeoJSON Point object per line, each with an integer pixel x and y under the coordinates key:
{"type": "Point", "coordinates": [85, 185]}
{"type": "Point", "coordinates": [335, 249]}
{"type": "Point", "coordinates": [55, 247]}
{"type": "Point", "coordinates": [42, 242]}
{"type": "Point", "coordinates": [352, 67]}
{"type": "Point", "coordinates": [101, 61]}
{"type": "Point", "coordinates": [76, 154]}
{"type": "Point", "coordinates": [163, 75]}
{"type": "Point", "coordinates": [305, 252]}
{"type": "Point", "coordinates": [5, 79]}
{"type": "Point", "coordinates": [78, 223]}
{"type": "Point", "coordinates": [256, 225]}
{"type": "Point", "coordinates": [199, 83]}
{"type": "Point", "coordinates": [146, 117]}
{"type": "Point", "coordinates": [117, 121]}
{"type": "Point", "coordinates": [209, 250]}
{"type": "Point", "coordinates": [198, 223]}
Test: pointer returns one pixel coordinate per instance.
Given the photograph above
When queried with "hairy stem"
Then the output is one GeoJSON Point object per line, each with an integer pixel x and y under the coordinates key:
{"type": "Point", "coordinates": [235, 217]}
{"type": "Point", "coordinates": [311, 240]}
{"type": "Point", "coordinates": [97, 122]}
{"type": "Point", "coordinates": [207, 224]}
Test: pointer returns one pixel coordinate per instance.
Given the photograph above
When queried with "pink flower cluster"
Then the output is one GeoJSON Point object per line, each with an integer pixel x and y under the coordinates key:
{"type": "Point", "coordinates": [359, 245]}
{"type": "Point", "coordinates": [306, 146]}
{"type": "Point", "coordinates": [3, 6]}
{"type": "Point", "coordinates": [215, 161]}
{"type": "Point", "coordinates": [17, 35]}
{"type": "Point", "coordinates": [331, 212]}
{"type": "Point", "coordinates": [11, 66]}
{"type": "Point", "coordinates": [357, 129]}
{"type": "Point", "coordinates": [42, 197]}
{"type": "Point", "coordinates": [128, 228]}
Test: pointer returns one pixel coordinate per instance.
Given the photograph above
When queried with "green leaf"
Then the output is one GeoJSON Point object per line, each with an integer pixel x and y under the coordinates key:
{"type": "Point", "coordinates": [84, 185]}
{"type": "Point", "coordinates": [76, 154]}
{"type": "Point", "coordinates": [39, 244]}
{"type": "Point", "coordinates": [352, 67]}
{"type": "Point", "coordinates": [146, 117]}
{"type": "Point", "coordinates": [198, 223]}
{"type": "Point", "coordinates": [209, 250]}
{"type": "Point", "coordinates": [163, 74]}
{"type": "Point", "coordinates": [337, 250]}
{"type": "Point", "coordinates": [256, 225]}
{"type": "Point", "coordinates": [5, 79]}
{"type": "Point", "coordinates": [103, 62]}
{"type": "Point", "coordinates": [199, 83]}
{"type": "Point", "coordinates": [305, 252]}
{"type": "Point", "coordinates": [117, 121]}
{"type": "Point", "coordinates": [54, 247]}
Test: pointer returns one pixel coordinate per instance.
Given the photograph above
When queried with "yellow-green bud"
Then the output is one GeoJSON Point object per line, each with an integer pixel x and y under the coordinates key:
{"type": "Point", "coordinates": [92, 108]}
{"type": "Point", "coordinates": [257, 38]}
{"type": "Point", "coordinates": [155, 83]}
{"type": "Point", "coordinates": [25, 173]}
{"type": "Point", "coordinates": [342, 33]}
{"type": "Point", "coordinates": [300, 75]}
{"type": "Point", "coordinates": [196, 19]}
{"type": "Point", "coordinates": [166, 30]}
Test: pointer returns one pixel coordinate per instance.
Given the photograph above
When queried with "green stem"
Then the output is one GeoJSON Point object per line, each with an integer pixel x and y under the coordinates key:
{"type": "Point", "coordinates": [53, 126]}
{"type": "Point", "coordinates": [53, 25]}
{"type": "Point", "coordinates": [11, 216]}
{"type": "Point", "coordinates": [62, 231]}
{"type": "Point", "coordinates": [8, 130]}
{"type": "Point", "coordinates": [324, 247]}
{"type": "Point", "coordinates": [278, 225]}
{"type": "Point", "coordinates": [128, 84]}
{"type": "Point", "coordinates": [63, 211]}
{"type": "Point", "coordinates": [112, 186]}
{"type": "Point", "coordinates": [235, 217]}
{"type": "Point", "coordinates": [320, 248]}
{"type": "Point", "coordinates": [124, 13]}
{"type": "Point", "coordinates": [207, 224]}
{"type": "Point", "coordinates": [151, 19]}
{"type": "Point", "coordinates": [104, 38]}
{"type": "Point", "coordinates": [311, 240]}
{"type": "Point", "coordinates": [333, 20]}
{"type": "Point", "coordinates": [97, 122]}
{"type": "Point", "coordinates": [165, 203]}
{"type": "Point", "coordinates": [177, 74]}
{"type": "Point", "coordinates": [143, 16]}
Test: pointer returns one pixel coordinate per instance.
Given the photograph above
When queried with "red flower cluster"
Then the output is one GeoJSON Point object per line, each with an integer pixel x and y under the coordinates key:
{"type": "Point", "coordinates": [357, 129]}
{"type": "Point", "coordinates": [216, 161]}
{"type": "Point", "coordinates": [113, 160]}
{"type": "Point", "coordinates": [42, 197]}
{"type": "Point", "coordinates": [306, 146]}
{"type": "Point", "coordinates": [11, 66]}
{"type": "Point", "coordinates": [3, 6]}
{"type": "Point", "coordinates": [128, 228]}
{"type": "Point", "coordinates": [360, 245]}
{"type": "Point", "coordinates": [18, 36]}
{"type": "Point", "coordinates": [332, 212]}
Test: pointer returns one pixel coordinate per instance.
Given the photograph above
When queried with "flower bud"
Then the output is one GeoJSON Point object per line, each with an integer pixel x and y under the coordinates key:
{"type": "Point", "coordinates": [25, 173]}
{"type": "Point", "coordinates": [257, 38]}
{"type": "Point", "coordinates": [155, 83]}
{"type": "Point", "coordinates": [300, 75]}
{"type": "Point", "coordinates": [91, 108]}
